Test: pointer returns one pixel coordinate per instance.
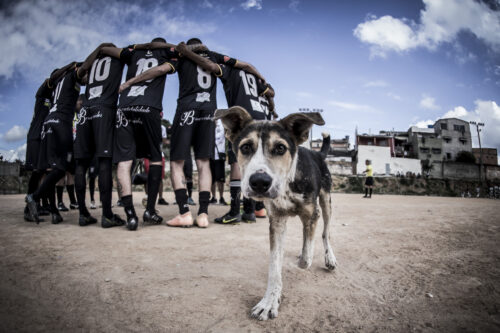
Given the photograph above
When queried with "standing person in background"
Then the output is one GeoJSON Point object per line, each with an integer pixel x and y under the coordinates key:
{"type": "Point", "coordinates": [217, 164]}
{"type": "Point", "coordinates": [369, 179]}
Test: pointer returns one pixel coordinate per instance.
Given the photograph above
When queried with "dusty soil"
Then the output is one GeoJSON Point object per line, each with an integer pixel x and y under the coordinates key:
{"type": "Point", "coordinates": [394, 252]}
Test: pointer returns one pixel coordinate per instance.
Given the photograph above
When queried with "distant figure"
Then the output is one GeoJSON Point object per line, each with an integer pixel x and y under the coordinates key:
{"type": "Point", "coordinates": [369, 179]}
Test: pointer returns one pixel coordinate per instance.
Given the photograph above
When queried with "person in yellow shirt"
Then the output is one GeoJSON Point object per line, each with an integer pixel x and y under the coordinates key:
{"type": "Point", "coordinates": [369, 179]}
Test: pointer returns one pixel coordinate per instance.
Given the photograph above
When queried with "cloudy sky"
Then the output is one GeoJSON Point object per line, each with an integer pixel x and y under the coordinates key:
{"type": "Point", "coordinates": [377, 65]}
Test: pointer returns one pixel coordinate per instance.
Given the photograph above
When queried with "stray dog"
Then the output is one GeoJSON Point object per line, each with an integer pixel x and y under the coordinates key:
{"type": "Point", "coordinates": [289, 179]}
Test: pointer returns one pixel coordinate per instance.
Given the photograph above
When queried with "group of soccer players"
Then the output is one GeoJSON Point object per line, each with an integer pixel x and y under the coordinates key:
{"type": "Point", "coordinates": [118, 123]}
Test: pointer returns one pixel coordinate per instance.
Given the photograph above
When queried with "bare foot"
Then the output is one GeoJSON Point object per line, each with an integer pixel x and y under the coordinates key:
{"type": "Point", "coordinates": [184, 220]}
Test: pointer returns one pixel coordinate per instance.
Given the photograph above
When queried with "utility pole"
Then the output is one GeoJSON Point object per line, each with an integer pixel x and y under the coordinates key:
{"type": "Point", "coordinates": [480, 149]}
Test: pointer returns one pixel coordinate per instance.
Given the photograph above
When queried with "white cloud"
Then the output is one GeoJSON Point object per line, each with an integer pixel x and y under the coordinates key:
{"type": "Point", "coordinates": [425, 123]}
{"type": "Point", "coordinates": [394, 96]}
{"type": "Point", "coordinates": [249, 4]}
{"type": "Point", "coordinates": [440, 22]}
{"type": "Point", "coordinates": [14, 154]}
{"type": "Point", "coordinates": [206, 4]}
{"type": "Point", "coordinates": [352, 106]}
{"type": "Point", "coordinates": [457, 112]}
{"type": "Point", "coordinates": [43, 35]}
{"type": "Point", "coordinates": [16, 133]}
{"type": "Point", "coordinates": [428, 102]}
{"type": "Point", "coordinates": [376, 84]}
{"type": "Point", "coordinates": [294, 5]}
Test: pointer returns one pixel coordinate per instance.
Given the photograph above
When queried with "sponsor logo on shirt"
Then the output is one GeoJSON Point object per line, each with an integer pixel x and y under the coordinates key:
{"type": "Point", "coordinates": [203, 97]}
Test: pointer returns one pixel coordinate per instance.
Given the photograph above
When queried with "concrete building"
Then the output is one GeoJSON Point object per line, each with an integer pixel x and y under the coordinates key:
{"type": "Point", "coordinates": [490, 156]}
{"type": "Point", "coordinates": [425, 145]}
{"type": "Point", "coordinates": [335, 144]}
{"type": "Point", "coordinates": [383, 163]}
{"type": "Point", "coordinates": [456, 136]}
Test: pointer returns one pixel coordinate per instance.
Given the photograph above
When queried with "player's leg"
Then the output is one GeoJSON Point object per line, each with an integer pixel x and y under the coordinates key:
{"type": "Point", "coordinates": [161, 200]}
{"type": "Point", "coordinates": [180, 147]}
{"type": "Point", "coordinates": [188, 175]}
{"type": "Point", "coordinates": [213, 190]}
{"type": "Point", "coordinates": [70, 185]}
{"type": "Point", "coordinates": [59, 191]}
{"type": "Point", "coordinates": [233, 216]}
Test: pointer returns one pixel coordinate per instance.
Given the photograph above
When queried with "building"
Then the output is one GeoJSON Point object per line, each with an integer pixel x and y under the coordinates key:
{"type": "Point", "coordinates": [380, 140]}
{"type": "Point", "coordinates": [456, 137]}
{"type": "Point", "coordinates": [425, 145]}
{"type": "Point", "coordinates": [335, 144]}
{"type": "Point", "coordinates": [490, 156]}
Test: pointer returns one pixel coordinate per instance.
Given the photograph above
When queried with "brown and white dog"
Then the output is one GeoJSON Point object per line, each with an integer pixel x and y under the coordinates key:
{"type": "Point", "coordinates": [289, 179]}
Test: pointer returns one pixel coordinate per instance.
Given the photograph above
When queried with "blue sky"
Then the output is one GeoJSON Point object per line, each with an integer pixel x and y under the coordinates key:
{"type": "Point", "coordinates": [377, 65]}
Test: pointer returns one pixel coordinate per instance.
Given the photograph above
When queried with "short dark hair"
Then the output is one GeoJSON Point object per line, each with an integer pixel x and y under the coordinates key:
{"type": "Point", "coordinates": [194, 41]}
{"type": "Point", "coordinates": [159, 39]}
{"type": "Point", "coordinates": [55, 70]}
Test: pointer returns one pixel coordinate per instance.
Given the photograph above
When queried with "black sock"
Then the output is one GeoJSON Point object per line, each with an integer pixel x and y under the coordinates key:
{"type": "Point", "coordinates": [92, 186]}
{"type": "Point", "coordinates": [181, 199]}
{"type": "Point", "coordinates": [60, 190]}
{"type": "Point", "coordinates": [105, 186]}
{"type": "Point", "coordinates": [235, 190]}
{"type": "Point", "coordinates": [154, 179]}
{"type": "Point", "coordinates": [80, 171]}
{"type": "Point", "coordinates": [34, 181]}
{"type": "Point", "coordinates": [204, 199]}
{"type": "Point", "coordinates": [366, 191]}
{"type": "Point", "coordinates": [128, 205]}
{"type": "Point", "coordinates": [248, 205]}
{"type": "Point", "coordinates": [51, 196]}
{"type": "Point", "coordinates": [259, 205]}
{"type": "Point", "coordinates": [370, 192]}
{"type": "Point", "coordinates": [189, 185]}
{"type": "Point", "coordinates": [48, 184]}
{"type": "Point", "coordinates": [45, 201]}
{"type": "Point", "coordinates": [71, 193]}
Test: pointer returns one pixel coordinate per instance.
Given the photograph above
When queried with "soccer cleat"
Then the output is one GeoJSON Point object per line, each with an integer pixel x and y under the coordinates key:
{"type": "Point", "coordinates": [61, 207]}
{"type": "Point", "coordinates": [162, 201]}
{"type": "Point", "coordinates": [202, 220]}
{"type": "Point", "coordinates": [32, 208]}
{"type": "Point", "coordinates": [115, 221]}
{"type": "Point", "coordinates": [185, 220]}
{"type": "Point", "coordinates": [132, 222]}
{"type": "Point", "coordinates": [248, 217]}
{"type": "Point", "coordinates": [213, 201]}
{"type": "Point", "coordinates": [261, 213]}
{"type": "Point", "coordinates": [43, 211]}
{"type": "Point", "coordinates": [222, 202]}
{"type": "Point", "coordinates": [191, 202]}
{"type": "Point", "coordinates": [27, 216]}
{"type": "Point", "coordinates": [86, 220]}
{"type": "Point", "coordinates": [228, 218]}
{"type": "Point", "coordinates": [56, 218]}
{"type": "Point", "coordinates": [92, 205]}
{"type": "Point", "coordinates": [119, 203]}
{"type": "Point", "coordinates": [73, 206]}
{"type": "Point", "coordinates": [151, 218]}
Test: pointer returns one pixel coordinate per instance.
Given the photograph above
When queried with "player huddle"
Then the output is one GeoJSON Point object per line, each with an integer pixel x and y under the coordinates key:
{"type": "Point", "coordinates": [119, 123]}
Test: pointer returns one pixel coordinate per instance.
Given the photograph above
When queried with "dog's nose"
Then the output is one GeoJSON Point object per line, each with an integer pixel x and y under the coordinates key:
{"type": "Point", "coordinates": [260, 182]}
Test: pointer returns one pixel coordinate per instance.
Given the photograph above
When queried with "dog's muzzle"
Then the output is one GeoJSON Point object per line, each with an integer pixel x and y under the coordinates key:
{"type": "Point", "coordinates": [260, 183]}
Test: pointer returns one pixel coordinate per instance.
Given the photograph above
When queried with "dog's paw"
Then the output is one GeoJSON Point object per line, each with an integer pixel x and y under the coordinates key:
{"type": "Point", "coordinates": [266, 309]}
{"type": "Point", "coordinates": [330, 260]}
{"type": "Point", "coordinates": [304, 263]}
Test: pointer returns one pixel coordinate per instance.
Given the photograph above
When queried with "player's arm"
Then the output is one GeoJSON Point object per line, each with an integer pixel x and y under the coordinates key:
{"type": "Point", "coordinates": [58, 73]}
{"type": "Point", "coordinates": [165, 68]}
{"type": "Point", "coordinates": [82, 70]}
{"type": "Point", "coordinates": [249, 68]}
{"type": "Point", "coordinates": [272, 107]}
{"type": "Point", "coordinates": [111, 51]}
{"type": "Point", "coordinates": [153, 45]}
{"type": "Point", "coordinates": [204, 63]}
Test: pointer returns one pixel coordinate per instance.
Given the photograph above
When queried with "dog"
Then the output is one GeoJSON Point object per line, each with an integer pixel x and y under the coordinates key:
{"type": "Point", "coordinates": [289, 179]}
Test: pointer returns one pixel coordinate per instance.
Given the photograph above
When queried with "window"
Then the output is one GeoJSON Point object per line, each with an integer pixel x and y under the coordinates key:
{"type": "Point", "coordinates": [436, 151]}
{"type": "Point", "coordinates": [448, 156]}
{"type": "Point", "coordinates": [424, 150]}
{"type": "Point", "coordinates": [459, 128]}
{"type": "Point", "coordinates": [447, 140]}
{"type": "Point", "coordinates": [444, 126]}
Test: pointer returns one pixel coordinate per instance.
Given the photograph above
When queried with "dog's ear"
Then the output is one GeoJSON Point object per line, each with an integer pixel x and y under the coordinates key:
{"type": "Point", "coordinates": [234, 120]}
{"type": "Point", "coordinates": [299, 124]}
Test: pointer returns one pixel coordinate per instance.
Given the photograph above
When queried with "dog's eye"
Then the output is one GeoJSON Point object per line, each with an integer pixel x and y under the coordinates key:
{"type": "Point", "coordinates": [246, 149]}
{"type": "Point", "coordinates": [279, 149]}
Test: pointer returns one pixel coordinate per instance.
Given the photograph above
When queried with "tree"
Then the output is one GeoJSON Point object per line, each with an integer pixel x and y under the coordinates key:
{"type": "Point", "coordinates": [465, 157]}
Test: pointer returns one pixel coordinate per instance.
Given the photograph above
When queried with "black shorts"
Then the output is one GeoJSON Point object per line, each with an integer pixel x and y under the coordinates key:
{"type": "Point", "coordinates": [231, 156]}
{"type": "Point", "coordinates": [192, 128]}
{"type": "Point", "coordinates": [137, 134]}
{"type": "Point", "coordinates": [56, 146]}
{"type": "Point", "coordinates": [217, 169]}
{"type": "Point", "coordinates": [188, 168]}
{"type": "Point", "coordinates": [369, 181]}
{"type": "Point", "coordinates": [32, 154]}
{"type": "Point", "coordinates": [94, 132]}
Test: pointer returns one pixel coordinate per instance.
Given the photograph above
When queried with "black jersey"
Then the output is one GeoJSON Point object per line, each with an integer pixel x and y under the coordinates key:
{"type": "Point", "coordinates": [104, 80]}
{"type": "Point", "coordinates": [42, 106]}
{"type": "Point", "coordinates": [243, 89]}
{"type": "Point", "coordinates": [65, 94]}
{"type": "Point", "coordinates": [198, 88]}
{"type": "Point", "coordinates": [264, 104]}
{"type": "Point", "coordinates": [150, 92]}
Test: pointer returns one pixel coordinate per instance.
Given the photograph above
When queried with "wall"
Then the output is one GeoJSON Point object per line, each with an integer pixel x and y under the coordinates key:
{"type": "Point", "coordinates": [404, 165]}
{"type": "Point", "coordinates": [339, 167]}
{"type": "Point", "coordinates": [380, 156]}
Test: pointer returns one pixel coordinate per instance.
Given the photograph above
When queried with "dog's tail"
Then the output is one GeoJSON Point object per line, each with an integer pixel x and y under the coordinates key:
{"type": "Point", "coordinates": [325, 147]}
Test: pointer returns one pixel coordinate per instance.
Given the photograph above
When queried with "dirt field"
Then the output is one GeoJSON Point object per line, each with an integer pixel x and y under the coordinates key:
{"type": "Point", "coordinates": [406, 263]}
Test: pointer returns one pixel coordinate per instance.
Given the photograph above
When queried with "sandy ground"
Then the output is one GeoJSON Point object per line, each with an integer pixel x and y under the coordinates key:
{"type": "Point", "coordinates": [392, 251]}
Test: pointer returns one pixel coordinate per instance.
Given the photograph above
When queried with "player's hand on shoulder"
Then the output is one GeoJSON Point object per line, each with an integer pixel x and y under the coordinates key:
{"type": "Point", "coordinates": [181, 47]}
{"type": "Point", "coordinates": [123, 86]}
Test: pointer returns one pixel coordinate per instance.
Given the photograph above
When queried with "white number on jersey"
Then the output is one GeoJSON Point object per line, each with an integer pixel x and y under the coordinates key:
{"type": "Point", "coordinates": [57, 92]}
{"type": "Point", "coordinates": [249, 83]}
{"type": "Point", "coordinates": [99, 72]}
{"type": "Point", "coordinates": [204, 78]}
{"type": "Point", "coordinates": [143, 65]}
